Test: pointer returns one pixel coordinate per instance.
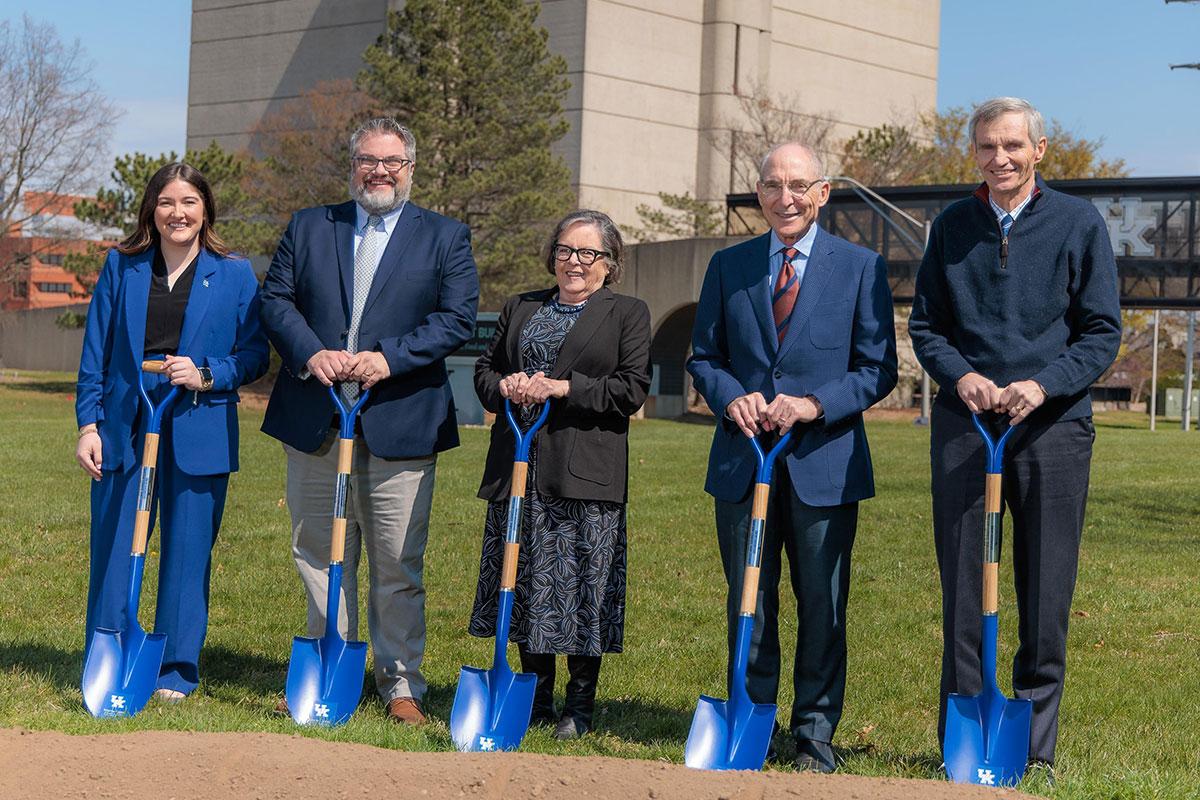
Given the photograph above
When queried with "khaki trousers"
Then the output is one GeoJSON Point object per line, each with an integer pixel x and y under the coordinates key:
{"type": "Point", "coordinates": [387, 509]}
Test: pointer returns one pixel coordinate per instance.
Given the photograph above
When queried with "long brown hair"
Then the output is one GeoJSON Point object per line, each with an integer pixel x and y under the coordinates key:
{"type": "Point", "coordinates": [146, 235]}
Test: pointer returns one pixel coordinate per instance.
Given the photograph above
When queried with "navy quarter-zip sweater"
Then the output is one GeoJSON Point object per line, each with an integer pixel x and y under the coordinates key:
{"type": "Point", "coordinates": [1043, 306]}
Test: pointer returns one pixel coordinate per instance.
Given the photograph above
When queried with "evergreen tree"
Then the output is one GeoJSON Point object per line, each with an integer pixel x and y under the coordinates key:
{"type": "Point", "coordinates": [483, 95]}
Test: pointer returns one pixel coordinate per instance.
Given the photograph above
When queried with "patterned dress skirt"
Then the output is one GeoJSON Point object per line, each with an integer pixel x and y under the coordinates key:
{"type": "Point", "coordinates": [570, 592]}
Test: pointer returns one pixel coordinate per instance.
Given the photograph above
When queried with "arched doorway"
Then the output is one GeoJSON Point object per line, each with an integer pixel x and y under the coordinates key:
{"type": "Point", "coordinates": [669, 350]}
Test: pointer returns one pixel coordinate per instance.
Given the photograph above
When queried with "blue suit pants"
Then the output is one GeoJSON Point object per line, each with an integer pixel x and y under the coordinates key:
{"type": "Point", "coordinates": [189, 508]}
{"type": "Point", "coordinates": [817, 541]}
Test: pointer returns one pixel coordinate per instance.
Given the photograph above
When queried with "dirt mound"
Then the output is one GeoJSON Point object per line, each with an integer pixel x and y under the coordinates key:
{"type": "Point", "coordinates": [161, 765]}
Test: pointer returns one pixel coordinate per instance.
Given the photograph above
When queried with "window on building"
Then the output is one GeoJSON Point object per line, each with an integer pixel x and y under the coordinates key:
{"type": "Point", "coordinates": [54, 288]}
{"type": "Point", "coordinates": [53, 260]}
{"type": "Point", "coordinates": [20, 289]}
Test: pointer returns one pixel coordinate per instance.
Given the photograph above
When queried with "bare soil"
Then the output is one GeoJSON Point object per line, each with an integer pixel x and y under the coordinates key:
{"type": "Point", "coordinates": [167, 765]}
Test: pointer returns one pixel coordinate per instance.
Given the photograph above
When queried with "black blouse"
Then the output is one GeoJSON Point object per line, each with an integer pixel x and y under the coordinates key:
{"type": "Point", "coordinates": [164, 310]}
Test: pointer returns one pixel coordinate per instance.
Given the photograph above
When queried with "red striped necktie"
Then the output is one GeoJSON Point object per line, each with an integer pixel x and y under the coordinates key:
{"type": "Point", "coordinates": [783, 299]}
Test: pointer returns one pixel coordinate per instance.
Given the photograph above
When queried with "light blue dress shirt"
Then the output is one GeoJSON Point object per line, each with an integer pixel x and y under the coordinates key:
{"type": "Point", "coordinates": [799, 263]}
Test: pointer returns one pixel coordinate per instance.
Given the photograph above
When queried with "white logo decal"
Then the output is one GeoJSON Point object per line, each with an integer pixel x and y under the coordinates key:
{"type": "Point", "coordinates": [1127, 224]}
{"type": "Point", "coordinates": [986, 776]}
{"type": "Point", "coordinates": [321, 710]}
{"type": "Point", "coordinates": [117, 702]}
{"type": "Point", "coordinates": [487, 743]}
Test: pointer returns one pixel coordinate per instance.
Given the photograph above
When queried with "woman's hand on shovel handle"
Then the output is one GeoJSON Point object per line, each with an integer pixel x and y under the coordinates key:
{"type": "Point", "coordinates": [87, 451]}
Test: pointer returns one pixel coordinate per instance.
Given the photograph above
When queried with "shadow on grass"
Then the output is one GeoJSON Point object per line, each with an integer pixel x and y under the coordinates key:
{"type": "Point", "coordinates": [254, 674]}
{"type": "Point", "coordinates": [625, 718]}
{"type": "Point", "coordinates": [926, 765]}
{"type": "Point", "coordinates": [42, 387]}
{"type": "Point", "coordinates": [64, 668]}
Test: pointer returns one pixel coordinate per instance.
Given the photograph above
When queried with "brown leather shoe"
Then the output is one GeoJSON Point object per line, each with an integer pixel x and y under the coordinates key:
{"type": "Point", "coordinates": [281, 709]}
{"type": "Point", "coordinates": [406, 711]}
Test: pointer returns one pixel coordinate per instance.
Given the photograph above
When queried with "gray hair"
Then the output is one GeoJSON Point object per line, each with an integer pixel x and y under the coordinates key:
{"type": "Point", "coordinates": [385, 125]}
{"type": "Point", "coordinates": [989, 110]}
{"type": "Point", "coordinates": [610, 240]}
{"type": "Point", "coordinates": [812, 153]}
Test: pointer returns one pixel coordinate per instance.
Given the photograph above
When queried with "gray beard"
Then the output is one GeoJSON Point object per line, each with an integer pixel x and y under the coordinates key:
{"type": "Point", "coordinates": [378, 203]}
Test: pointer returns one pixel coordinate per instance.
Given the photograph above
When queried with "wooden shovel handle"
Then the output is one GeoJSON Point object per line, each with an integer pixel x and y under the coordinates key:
{"type": "Point", "coordinates": [154, 366]}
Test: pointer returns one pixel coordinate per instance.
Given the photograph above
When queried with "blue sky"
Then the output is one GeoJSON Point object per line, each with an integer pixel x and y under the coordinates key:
{"type": "Point", "coordinates": [1098, 66]}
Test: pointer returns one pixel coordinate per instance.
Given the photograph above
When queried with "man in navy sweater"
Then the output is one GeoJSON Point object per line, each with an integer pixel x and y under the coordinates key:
{"type": "Point", "coordinates": [1016, 314]}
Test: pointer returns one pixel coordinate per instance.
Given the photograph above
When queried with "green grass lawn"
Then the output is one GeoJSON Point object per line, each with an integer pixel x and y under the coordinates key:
{"type": "Point", "coordinates": [1128, 718]}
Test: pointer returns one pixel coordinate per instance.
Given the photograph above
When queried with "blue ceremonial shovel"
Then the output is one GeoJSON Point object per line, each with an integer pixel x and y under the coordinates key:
{"type": "Point", "coordinates": [987, 735]}
{"type": "Point", "coordinates": [122, 666]}
{"type": "Point", "coordinates": [736, 734]}
{"type": "Point", "coordinates": [325, 676]}
{"type": "Point", "coordinates": [492, 707]}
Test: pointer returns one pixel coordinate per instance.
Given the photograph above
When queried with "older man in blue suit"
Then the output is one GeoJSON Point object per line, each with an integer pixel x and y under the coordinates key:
{"type": "Point", "coordinates": [794, 330]}
{"type": "Point", "coordinates": [374, 292]}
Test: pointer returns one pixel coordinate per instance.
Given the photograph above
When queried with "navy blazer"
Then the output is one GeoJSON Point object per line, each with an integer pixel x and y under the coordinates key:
{"type": "Point", "coordinates": [420, 308]}
{"type": "Point", "coordinates": [220, 331]}
{"type": "Point", "coordinates": [840, 347]}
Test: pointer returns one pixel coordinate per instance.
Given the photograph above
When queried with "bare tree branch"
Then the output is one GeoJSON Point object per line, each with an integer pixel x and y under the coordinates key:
{"type": "Point", "coordinates": [54, 122]}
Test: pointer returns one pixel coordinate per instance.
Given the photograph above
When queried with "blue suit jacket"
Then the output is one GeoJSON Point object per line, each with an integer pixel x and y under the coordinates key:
{"type": "Point", "coordinates": [420, 309]}
{"type": "Point", "coordinates": [840, 347]}
{"type": "Point", "coordinates": [220, 330]}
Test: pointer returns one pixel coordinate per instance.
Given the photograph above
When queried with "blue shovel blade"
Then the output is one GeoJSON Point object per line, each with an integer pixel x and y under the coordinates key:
{"type": "Point", "coordinates": [725, 736]}
{"type": "Point", "coordinates": [121, 671]}
{"type": "Point", "coordinates": [987, 739]}
{"type": "Point", "coordinates": [325, 679]}
{"type": "Point", "coordinates": [491, 709]}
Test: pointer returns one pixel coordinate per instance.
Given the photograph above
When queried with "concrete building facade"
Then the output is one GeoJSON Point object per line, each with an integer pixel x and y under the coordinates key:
{"type": "Point", "coordinates": [655, 84]}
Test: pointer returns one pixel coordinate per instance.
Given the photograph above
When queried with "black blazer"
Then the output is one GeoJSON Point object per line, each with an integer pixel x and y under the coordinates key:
{"type": "Point", "coordinates": [583, 449]}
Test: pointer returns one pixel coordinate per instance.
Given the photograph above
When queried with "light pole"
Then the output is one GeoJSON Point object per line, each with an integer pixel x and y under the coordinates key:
{"type": "Point", "coordinates": [873, 200]}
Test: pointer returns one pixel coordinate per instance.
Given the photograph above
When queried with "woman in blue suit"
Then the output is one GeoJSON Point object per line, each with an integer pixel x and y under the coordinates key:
{"type": "Point", "coordinates": [174, 291]}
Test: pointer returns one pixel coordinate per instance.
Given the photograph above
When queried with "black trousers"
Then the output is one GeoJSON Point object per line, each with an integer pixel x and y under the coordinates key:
{"type": "Point", "coordinates": [817, 541]}
{"type": "Point", "coordinates": [1045, 490]}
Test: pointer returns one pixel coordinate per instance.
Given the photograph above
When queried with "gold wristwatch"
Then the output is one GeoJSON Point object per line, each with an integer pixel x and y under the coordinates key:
{"type": "Point", "coordinates": [206, 379]}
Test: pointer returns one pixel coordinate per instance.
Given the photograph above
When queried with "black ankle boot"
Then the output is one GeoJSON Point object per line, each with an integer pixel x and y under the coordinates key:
{"type": "Point", "coordinates": [581, 697]}
{"type": "Point", "coordinates": [542, 665]}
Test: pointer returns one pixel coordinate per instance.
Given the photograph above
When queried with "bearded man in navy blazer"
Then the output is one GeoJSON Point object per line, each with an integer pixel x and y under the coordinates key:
{"type": "Point", "coordinates": [374, 292]}
{"type": "Point", "coordinates": [794, 330]}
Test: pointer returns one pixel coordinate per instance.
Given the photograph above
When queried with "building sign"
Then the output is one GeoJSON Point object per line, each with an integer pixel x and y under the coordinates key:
{"type": "Point", "coordinates": [1129, 222]}
{"type": "Point", "coordinates": [485, 329]}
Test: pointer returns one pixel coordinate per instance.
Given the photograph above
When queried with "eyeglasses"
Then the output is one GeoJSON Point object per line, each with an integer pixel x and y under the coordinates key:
{"type": "Point", "coordinates": [795, 188]}
{"type": "Point", "coordinates": [586, 256]}
{"type": "Point", "coordinates": [391, 163]}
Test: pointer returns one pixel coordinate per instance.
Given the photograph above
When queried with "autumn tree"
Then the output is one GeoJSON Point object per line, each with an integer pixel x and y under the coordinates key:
{"type": "Point", "coordinates": [478, 86]}
{"type": "Point", "coordinates": [54, 122]}
{"type": "Point", "coordinates": [304, 150]}
{"type": "Point", "coordinates": [937, 150]}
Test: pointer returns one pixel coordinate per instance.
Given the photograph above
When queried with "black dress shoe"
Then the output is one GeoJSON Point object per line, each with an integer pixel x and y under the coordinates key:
{"type": "Point", "coordinates": [814, 756]}
{"type": "Point", "coordinates": [570, 728]}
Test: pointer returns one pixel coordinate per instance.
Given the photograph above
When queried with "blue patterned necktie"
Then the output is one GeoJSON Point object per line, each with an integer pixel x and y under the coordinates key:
{"type": "Point", "coordinates": [1006, 224]}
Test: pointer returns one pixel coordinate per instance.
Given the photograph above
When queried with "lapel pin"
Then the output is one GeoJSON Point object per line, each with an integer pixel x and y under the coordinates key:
{"type": "Point", "coordinates": [206, 283]}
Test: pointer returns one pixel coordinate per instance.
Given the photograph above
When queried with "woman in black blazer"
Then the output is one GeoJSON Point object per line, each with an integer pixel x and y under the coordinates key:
{"type": "Point", "coordinates": [585, 350]}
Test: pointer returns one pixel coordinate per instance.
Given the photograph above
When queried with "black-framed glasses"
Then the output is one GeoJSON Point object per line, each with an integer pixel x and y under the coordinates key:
{"type": "Point", "coordinates": [586, 255]}
{"type": "Point", "coordinates": [390, 163]}
{"type": "Point", "coordinates": [795, 188]}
